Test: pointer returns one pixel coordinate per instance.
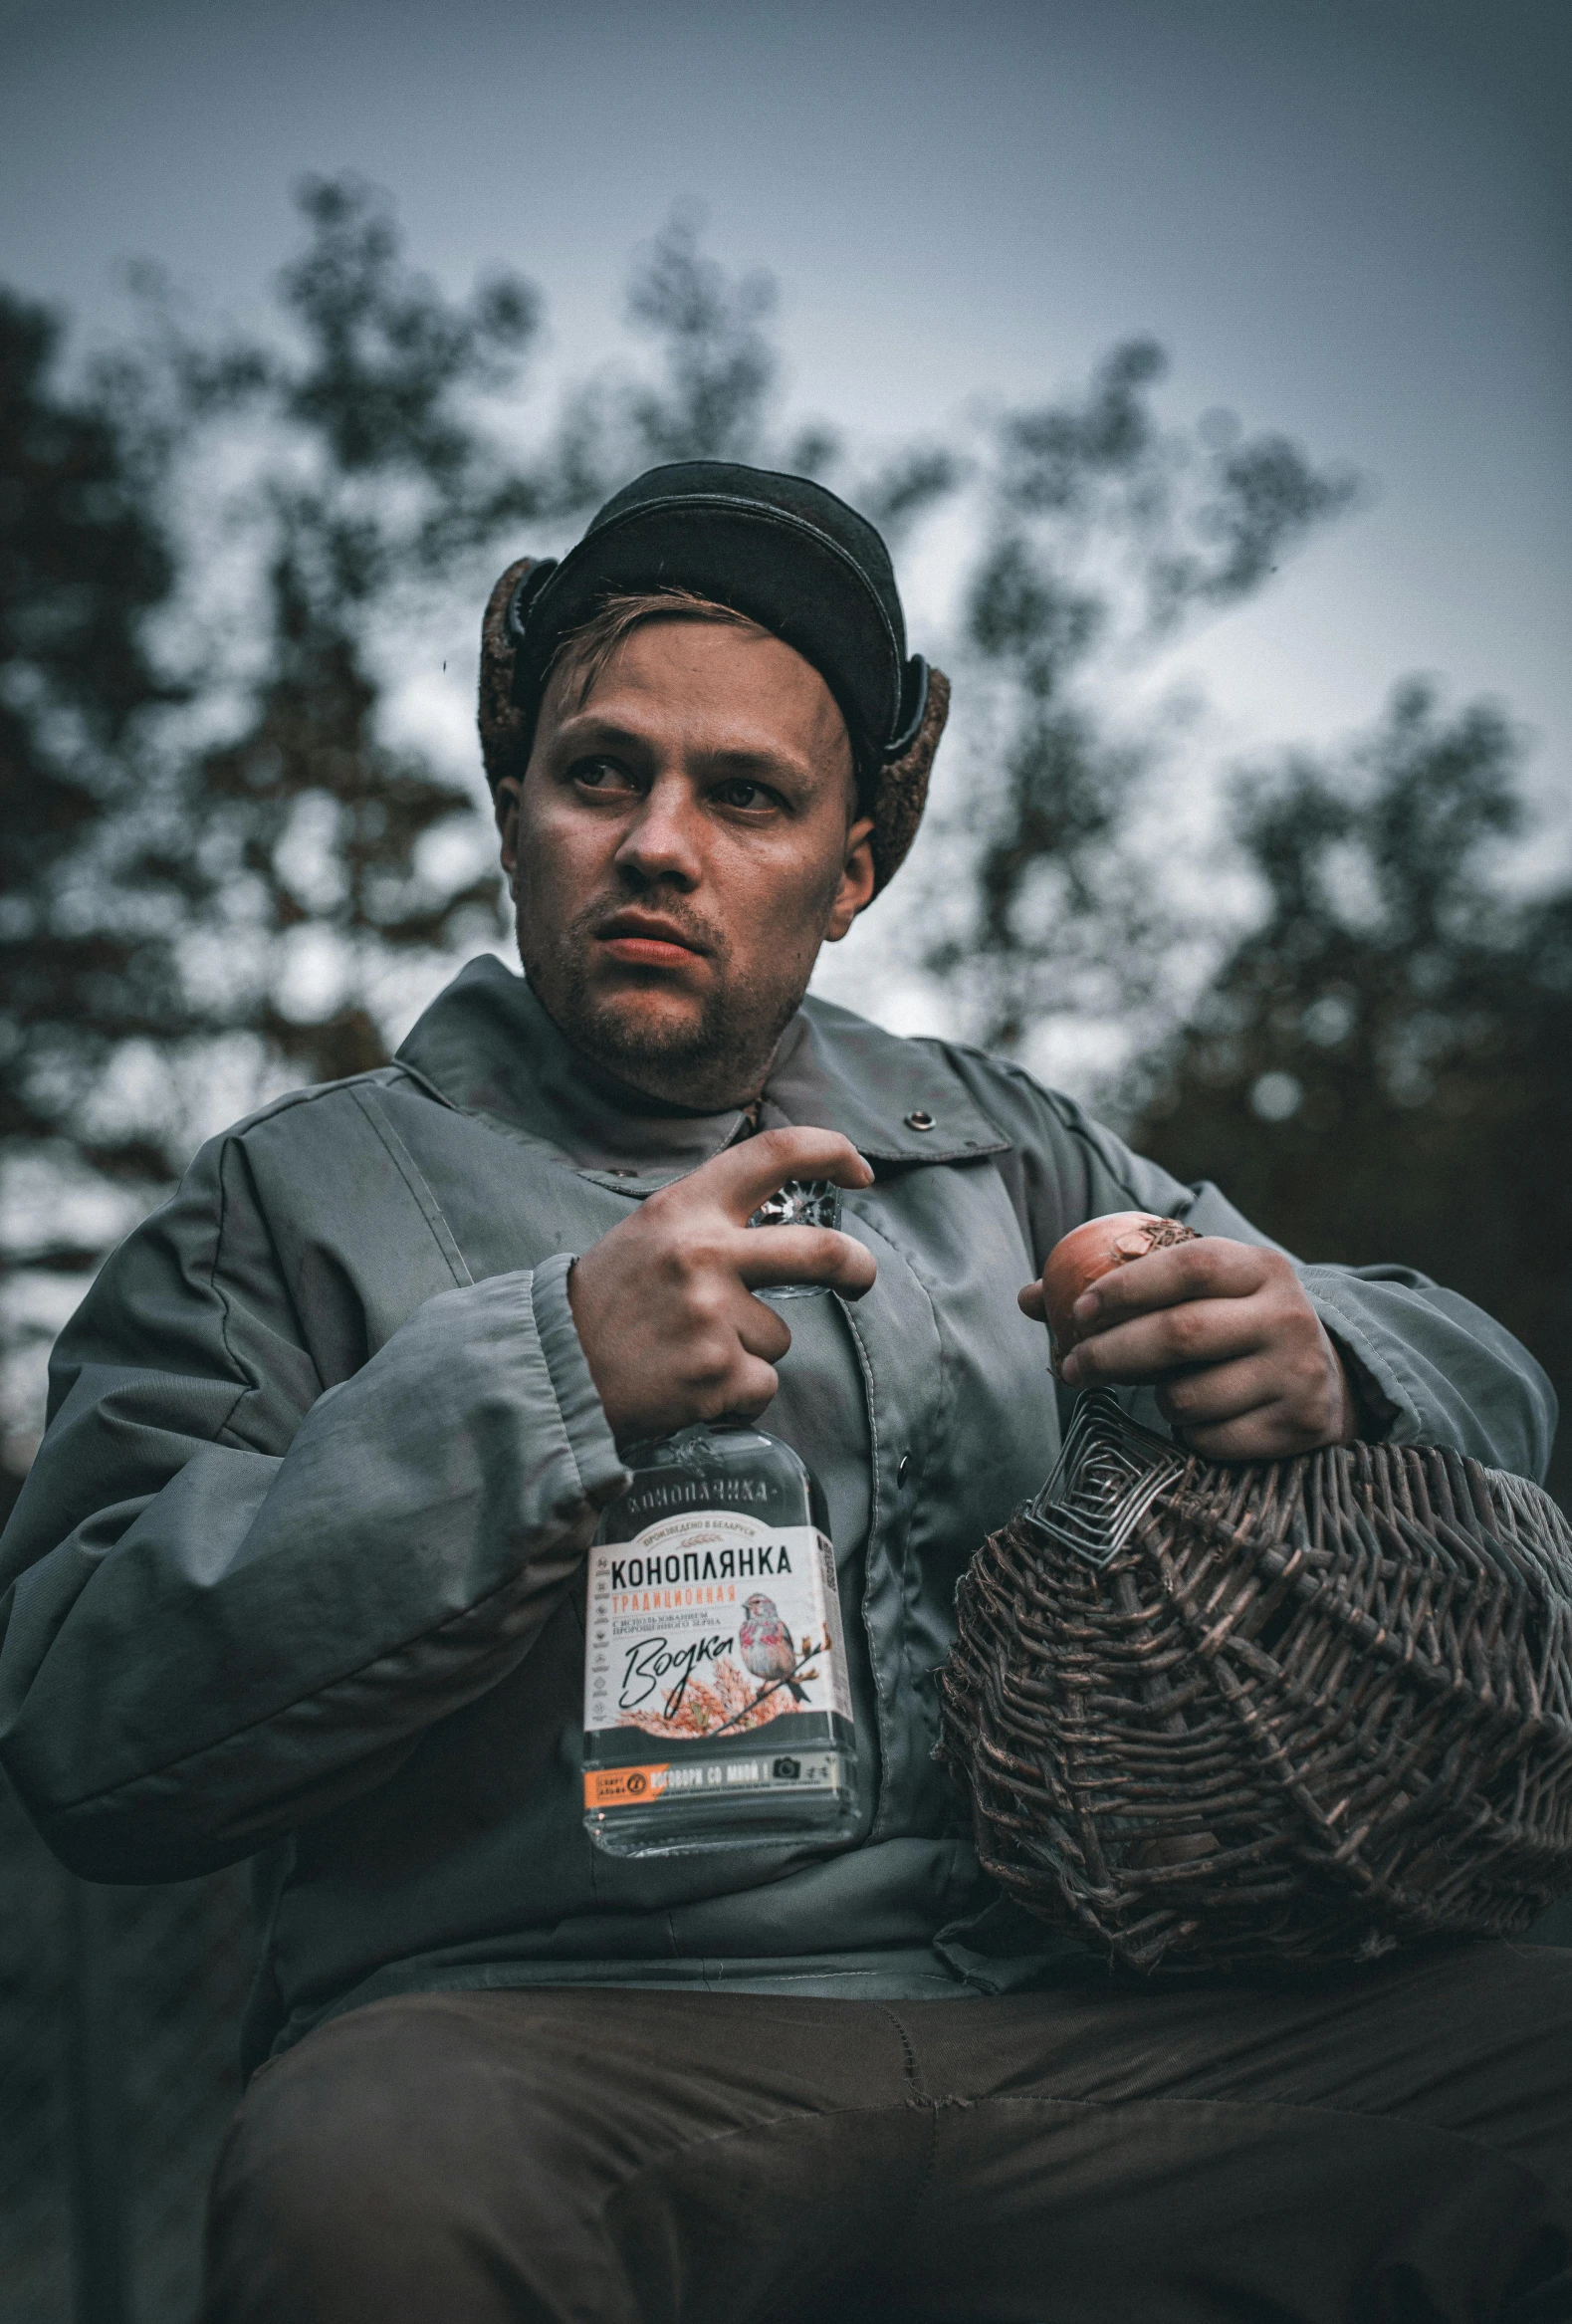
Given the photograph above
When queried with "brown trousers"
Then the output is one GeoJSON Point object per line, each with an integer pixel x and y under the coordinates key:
{"type": "Point", "coordinates": [1387, 2144]}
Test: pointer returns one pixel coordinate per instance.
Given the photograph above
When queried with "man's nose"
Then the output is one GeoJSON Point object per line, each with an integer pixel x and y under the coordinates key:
{"type": "Point", "coordinates": [662, 841]}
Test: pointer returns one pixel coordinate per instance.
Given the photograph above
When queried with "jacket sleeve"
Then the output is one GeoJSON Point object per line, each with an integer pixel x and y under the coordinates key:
{"type": "Point", "coordinates": [1432, 1367]}
{"type": "Point", "coordinates": [232, 1598]}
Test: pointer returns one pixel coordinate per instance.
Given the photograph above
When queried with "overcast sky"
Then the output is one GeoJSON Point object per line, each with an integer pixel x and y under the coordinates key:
{"type": "Point", "coordinates": [1346, 220]}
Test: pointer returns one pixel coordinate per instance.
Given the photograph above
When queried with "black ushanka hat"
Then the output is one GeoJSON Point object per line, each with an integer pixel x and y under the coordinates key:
{"type": "Point", "coordinates": [781, 550]}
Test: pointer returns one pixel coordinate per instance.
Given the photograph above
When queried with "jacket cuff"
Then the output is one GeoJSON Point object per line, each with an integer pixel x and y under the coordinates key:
{"type": "Point", "coordinates": [585, 1422]}
{"type": "Point", "coordinates": [1386, 1394]}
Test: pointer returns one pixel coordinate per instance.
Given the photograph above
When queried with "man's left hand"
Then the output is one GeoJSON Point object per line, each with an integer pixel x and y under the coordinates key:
{"type": "Point", "coordinates": [1226, 1335]}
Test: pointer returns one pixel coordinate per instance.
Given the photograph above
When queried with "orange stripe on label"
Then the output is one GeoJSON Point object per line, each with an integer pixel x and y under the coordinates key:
{"type": "Point", "coordinates": [623, 1786]}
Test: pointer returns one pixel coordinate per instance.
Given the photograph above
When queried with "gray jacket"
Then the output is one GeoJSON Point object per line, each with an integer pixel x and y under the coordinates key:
{"type": "Point", "coordinates": [296, 1574]}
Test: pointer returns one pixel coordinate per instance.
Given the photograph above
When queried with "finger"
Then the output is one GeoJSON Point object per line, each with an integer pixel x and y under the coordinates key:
{"type": "Point", "coordinates": [749, 1386]}
{"type": "Point", "coordinates": [1218, 1393]}
{"type": "Point", "coordinates": [1204, 1332]}
{"type": "Point", "coordinates": [740, 1178]}
{"type": "Point", "coordinates": [805, 1254]}
{"type": "Point", "coordinates": [1267, 1432]}
{"type": "Point", "coordinates": [1210, 1268]}
{"type": "Point", "coordinates": [1307, 1386]}
{"type": "Point", "coordinates": [1030, 1301]}
{"type": "Point", "coordinates": [761, 1331]}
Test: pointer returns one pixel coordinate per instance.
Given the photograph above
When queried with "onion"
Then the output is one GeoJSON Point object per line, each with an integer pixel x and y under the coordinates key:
{"type": "Point", "coordinates": [1080, 1257]}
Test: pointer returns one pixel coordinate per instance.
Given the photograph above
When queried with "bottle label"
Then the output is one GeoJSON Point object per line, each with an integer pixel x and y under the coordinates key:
{"type": "Point", "coordinates": [703, 1631]}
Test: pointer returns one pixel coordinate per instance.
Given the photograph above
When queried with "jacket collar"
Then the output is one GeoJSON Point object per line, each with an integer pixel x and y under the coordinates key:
{"type": "Point", "coordinates": [487, 1047]}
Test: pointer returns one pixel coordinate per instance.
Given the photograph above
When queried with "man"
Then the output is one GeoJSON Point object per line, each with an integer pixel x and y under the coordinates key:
{"type": "Point", "coordinates": [300, 1578]}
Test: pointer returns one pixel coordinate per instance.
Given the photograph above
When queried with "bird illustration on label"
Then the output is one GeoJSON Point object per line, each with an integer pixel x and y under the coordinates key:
{"type": "Point", "coordinates": [765, 1645]}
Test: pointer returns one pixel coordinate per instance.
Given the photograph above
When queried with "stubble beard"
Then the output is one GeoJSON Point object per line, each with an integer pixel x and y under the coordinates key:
{"type": "Point", "coordinates": [717, 1059]}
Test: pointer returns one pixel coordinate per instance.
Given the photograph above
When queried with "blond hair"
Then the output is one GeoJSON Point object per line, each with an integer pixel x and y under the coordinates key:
{"type": "Point", "coordinates": [587, 651]}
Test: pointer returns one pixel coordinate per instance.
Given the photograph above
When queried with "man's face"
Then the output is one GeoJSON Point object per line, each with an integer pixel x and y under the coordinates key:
{"type": "Point", "coordinates": [679, 847]}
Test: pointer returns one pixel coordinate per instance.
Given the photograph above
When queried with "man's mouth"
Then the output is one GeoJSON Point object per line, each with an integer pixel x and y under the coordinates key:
{"type": "Point", "coordinates": [644, 940]}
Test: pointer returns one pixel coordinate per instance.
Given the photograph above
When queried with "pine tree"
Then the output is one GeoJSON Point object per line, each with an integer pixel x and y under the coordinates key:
{"type": "Point", "coordinates": [1382, 1068]}
{"type": "Point", "coordinates": [95, 876]}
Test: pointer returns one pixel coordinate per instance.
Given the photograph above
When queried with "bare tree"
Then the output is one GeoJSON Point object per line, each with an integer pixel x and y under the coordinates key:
{"type": "Point", "coordinates": [1105, 533]}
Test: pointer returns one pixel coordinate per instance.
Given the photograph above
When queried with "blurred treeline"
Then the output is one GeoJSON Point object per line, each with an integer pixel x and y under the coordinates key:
{"type": "Point", "coordinates": [233, 854]}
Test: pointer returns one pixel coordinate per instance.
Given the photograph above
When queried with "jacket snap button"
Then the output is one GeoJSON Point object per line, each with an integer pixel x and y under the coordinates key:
{"type": "Point", "coordinates": [905, 1469]}
{"type": "Point", "coordinates": [919, 1120]}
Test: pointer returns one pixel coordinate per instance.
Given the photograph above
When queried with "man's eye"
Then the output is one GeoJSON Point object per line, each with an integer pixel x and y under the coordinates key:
{"type": "Point", "coordinates": [602, 775]}
{"type": "Point", "coordinates": [742, 794]}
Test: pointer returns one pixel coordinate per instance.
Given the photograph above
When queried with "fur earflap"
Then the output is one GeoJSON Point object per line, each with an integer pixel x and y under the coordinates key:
{"type": "Point", "coordinates": [902, 790]}
{"type": "Point", "coordinates": [899, 799]}
{"type": "Point", "coordinates": [504, 745]}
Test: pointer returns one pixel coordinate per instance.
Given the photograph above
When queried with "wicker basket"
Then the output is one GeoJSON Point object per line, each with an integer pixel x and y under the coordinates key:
{"type": "Point", "coordinates": [1294, 1713]}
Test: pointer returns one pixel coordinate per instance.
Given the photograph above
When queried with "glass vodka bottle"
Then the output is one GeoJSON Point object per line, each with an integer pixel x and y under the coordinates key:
{"type": "Point", "coordinates": [717, 1708]}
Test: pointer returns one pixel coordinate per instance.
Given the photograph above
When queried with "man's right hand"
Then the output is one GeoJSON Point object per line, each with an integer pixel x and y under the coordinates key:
{"type": "Point", "coordinates": [664, 1304]}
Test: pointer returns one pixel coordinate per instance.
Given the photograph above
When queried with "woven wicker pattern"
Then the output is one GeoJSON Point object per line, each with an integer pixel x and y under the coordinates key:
{"type": "Point", "coordinates": [1308, 1710]}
